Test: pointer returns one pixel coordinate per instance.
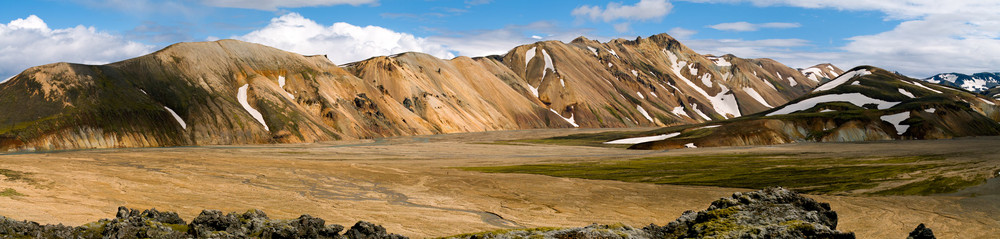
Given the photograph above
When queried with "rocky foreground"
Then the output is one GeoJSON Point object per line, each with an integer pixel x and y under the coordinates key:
{"type": "Point", "coordinates": [769, 213]}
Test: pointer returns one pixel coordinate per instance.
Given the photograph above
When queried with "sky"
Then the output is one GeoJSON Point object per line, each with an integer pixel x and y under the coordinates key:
{"type": "Point", "coordinates": [918, 38]}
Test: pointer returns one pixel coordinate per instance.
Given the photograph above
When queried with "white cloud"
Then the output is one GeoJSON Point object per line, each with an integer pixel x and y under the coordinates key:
{"type": "Point", "coordinates": [27, 42]}
{"type": "Point", "coordinates": [643, 10]}
{"type": "Point", "coordinates": [499, 41]}
{"type": "Point", "coordinates": [681, 33]}
{"type": "Point", "coordinates": [895, 9]}
{"type": "Point", "coordinates": [272, 5]}
{"type": "Point", "coordinates": [341, 42]}
{"type": "Point", "coordinates": [749, 27]}
{"type": "Point", "coordinates": [933, 36]}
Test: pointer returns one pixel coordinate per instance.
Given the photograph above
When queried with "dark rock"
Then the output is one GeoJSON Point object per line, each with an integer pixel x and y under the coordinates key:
{"type": "Point", "coordinates": [367, 230]}
{"type": "Point", "coordinates": [132, 223]}
{"type": "Point", "coordinates": [921, 232]}
{"type": "Point", "coordinates": [769, 213]}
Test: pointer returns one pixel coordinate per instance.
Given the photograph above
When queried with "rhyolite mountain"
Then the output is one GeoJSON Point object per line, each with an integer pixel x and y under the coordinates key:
{"type": "Point", "coordinates": [233, 92]}
{"type": "Point", "coordinates": [979, 82]}
{"type": "Point", "coordinates": [864, 104]}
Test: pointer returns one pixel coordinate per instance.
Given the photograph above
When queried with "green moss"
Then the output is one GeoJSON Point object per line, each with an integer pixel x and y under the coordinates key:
{"type": "Point", "coordinates": [10, 192]}
{"type": "Point", "coordinates": [755, 171]}
{"type": "Point", "coordinates": [177, 227]}
{"type": "Point", "coordinates": [799, 225]}
{"type": "Point", "coordinates": [12, 175]}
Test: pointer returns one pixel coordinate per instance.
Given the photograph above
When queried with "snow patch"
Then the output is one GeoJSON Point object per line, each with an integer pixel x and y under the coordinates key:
{"type": "Point", "coordinates": [949, 77]}
{"type": "Point", "coordinates": [856, 83]}
{"type": "Point", "coordinates": [177, 117]}
{"type": "Point", "coordinates": [635, 73]}
{"type": "Point", "coordinates": [281, 83]}
{"type": "Point", "coordinates": [563, 82]}
{"type": "Point", "coordinates": [534, 90]}
{"type": "Point", "coordinates": [594, 50]}
{"type": "Point", "coordinates": [241, 96]}
{"type": "Point", "coordinates": [708, 127]}
{"type": "Point", "coordinates": [676, 67]}
{"type": "Point", "coordinates": [725, 103]}
{"type": "Point", "coordinates": [975, 84]}
{"type": "Point", "coordinates": [639, 140]}
{"type": "Point", "coordinates": [143, 92]}
{"type": "Point", "coordinates": [756, 96]}
{"type": "Point", "coordinates": [896, 119]}
{"type": "Point", "coordinates": [791, 82]}
{"type": "Point", "coordinates": [640, 95]}
{"type": "Point", "coordinates": [931, 110]}
{"type": "Point", "coordinates": [690, 146]}
{"type": "Point", "coordinates": [706, 79]}
{"type": "Point", "coordinates": [548, 64]}
{"type": "Point", "coordinates": [528, 55]}
{"type": "Point", "coordinates": [613, 53]}
{"type": "Point", "coordinates": [831, 69]}
{"type": "Point", "coordinates": [720, 61]}
{"type": "Point", "coordinates": [694, 71]}
{"type": "Point", "coordinates": [922, 86]}
{"type": "Point", "coordinates": [853, 98]}
{"type": "Point", "coordinates": [906, 93]}
{"type": "Point", "coordinates": [654, 93]}
{"type": "Point", "coordinates": [842, 79]}
{"type": "Point", "coordinates": [987, 101]}
{"type": "Point", "coordinates": [679, 110]}
{"type": "Point", "coordinates": [644, 113]}
{"type": "Point", "coordinates": [813, 73]}
{"type": "Point", "coordinates": [571, 120]}
{"type": "Point", "coordinates": [610, 65]}
{"type": "Point", "coordinates": [826, 110]}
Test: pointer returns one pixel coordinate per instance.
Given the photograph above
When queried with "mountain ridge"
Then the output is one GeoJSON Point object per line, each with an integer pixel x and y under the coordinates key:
{"type": "Point", "coordinates": [233, 92]}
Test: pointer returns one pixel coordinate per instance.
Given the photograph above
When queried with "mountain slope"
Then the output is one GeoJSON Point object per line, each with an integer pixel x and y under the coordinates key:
{"type": "Point", "coordinates": [866, 103]}
{"type": "Point", "coordinates": [232, 92]}
{"type": "Point", "coordinates": [979, 82]}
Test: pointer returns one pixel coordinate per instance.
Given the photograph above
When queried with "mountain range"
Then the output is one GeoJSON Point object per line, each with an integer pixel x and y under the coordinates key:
{"type": "Point", "coordinates": [233, 92]}
{"type": "Point", "coordinates": [979, 82]}
{"type": "Point", "coordinates": [866, 103]}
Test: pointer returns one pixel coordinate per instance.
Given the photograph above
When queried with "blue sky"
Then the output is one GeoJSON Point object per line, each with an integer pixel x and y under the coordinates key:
{"type": "Point", "coordinates": [915, 37]}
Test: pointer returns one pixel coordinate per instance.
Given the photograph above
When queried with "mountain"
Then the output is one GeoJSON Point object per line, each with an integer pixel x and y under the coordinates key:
{"type": "Point", "coordinates": [866, 103]}
{"type": "Point", "coordinates": [979, 82]}
{"type": "Point", "coordinates": [233, 92]}
{"type": "Point", "coordinates": [822, 72]}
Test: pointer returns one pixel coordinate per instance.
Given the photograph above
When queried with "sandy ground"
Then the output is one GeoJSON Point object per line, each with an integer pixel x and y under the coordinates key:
{"type": "Point", "coordinates": [410, 185]}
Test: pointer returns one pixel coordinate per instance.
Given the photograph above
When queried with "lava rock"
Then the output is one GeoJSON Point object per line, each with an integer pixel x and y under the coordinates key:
{"type": "Point", "coordinates": [367, 230]}
{"type": "Point", "coordinates": [921, 232]}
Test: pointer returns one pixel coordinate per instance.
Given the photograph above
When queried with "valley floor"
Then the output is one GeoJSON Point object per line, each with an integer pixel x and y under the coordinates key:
{"type": "Point", "coordinates": [416, 186]}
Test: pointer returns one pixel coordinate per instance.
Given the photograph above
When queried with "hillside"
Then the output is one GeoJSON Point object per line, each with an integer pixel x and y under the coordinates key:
{"type": "Point", "coordinates": [864, 104]}
{"type": "Point", "coordinates": [233, 92]}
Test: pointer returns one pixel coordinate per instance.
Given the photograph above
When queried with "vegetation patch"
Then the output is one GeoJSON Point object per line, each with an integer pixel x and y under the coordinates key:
{"type": "Point", "coordinates": [12, 175]}
{"type": "Point", "coordinates": [934, 185]}
{"type": "Point", "coordinates": [10, 192]}
{"type": "Point", "coordinates": [755, 171]}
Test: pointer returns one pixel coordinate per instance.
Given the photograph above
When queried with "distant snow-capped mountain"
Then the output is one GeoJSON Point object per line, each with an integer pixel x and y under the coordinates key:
{"type": "Point", "coordinates": [979, 82]}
